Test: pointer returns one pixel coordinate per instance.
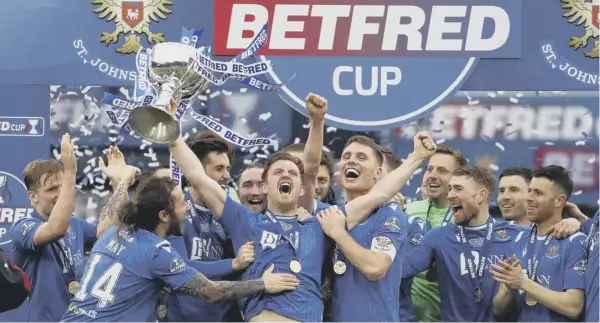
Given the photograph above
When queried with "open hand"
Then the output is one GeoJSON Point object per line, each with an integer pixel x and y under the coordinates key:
{"type": "Point", "coordinates": [117, 170]}
{"type": "Point", "coordinates": [67, 153]}
{"type": "Point", "coordinates": [276, 283]}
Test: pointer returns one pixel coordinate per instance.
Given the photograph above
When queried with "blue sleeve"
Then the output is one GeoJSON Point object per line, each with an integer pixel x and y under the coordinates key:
{"type": "Point", "coordinates": [420, 257]}
{"type": "Point", "coordinates": [168, 266]}
{"type": "Point", "coordinates": [89, 232]}
{"type": "Point", "coordinates": [239, 221]}
{"type": "Point", "coordinates": [574, 271]}
{"type": "Point", "coordinates": [587, 225]}
{"type": "Point", "coordinates": [213, 269]}
{"type": "Point", "coordinates": [319, 206]}
{"type": "Point", "coordinates": [390, 230]}
{"type": "Point", "coordinates": [415, 231]}
{"type": "Point", "coordinates": [22, 233]}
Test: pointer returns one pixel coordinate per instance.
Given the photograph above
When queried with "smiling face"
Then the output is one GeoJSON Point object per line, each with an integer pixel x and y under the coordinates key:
{"type": "Point", "coordinates": [462, 197]}
{"type": "Point", "coordinates": [438, 174]}
{"type": "Point", "coordinates": [251, 189]}
{"type": "Point", "coordinates": [542, 199]}
{"type": "Point", "coordinates": [360, 168]}
{"type": "Point", "coordinates": [512, 197]}
{"type": "Point", "coordinates": [283, 177]}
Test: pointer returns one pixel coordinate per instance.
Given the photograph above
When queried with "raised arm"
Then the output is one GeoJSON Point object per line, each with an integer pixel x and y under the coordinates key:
{"type": "Point", "coordinates": [360, 208]}
{"type": "Point", "coordinates": [60, 217]}
{"type": "Point", "coordinates": [214, 291]}
{"type": "Point", "coordinates": [317, 108]}
{"type": "Point", "coordinates": [121, 176]}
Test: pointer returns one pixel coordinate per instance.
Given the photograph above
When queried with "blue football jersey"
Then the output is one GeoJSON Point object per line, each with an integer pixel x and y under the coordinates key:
{"type": "Point", "coordinates": [125, 278]}
{"type": "Point", "coordinates": [561, 266]}
{"type": "Point", "coordinates": [50, 267]}
{"type": "Point", "coordinates": [280, 243]}
{"type": "Point", "coordinates": [355, 298]}
{"type": "Point", "coordinates": [444, 246]}
{"type": "Point", "coordinates": [591, 273]}
{"type": "Point", "coordinates": [205, 241]}
{"type": "Point", "coordinates": [416, 229]}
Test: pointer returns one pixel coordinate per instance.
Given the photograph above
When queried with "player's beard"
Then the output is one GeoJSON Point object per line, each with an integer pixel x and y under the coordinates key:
{"type": "Point", "coordinates": [175, 227]}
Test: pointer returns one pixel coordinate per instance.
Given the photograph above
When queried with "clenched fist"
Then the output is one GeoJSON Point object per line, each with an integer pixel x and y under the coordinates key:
{"type": "Point", "coordinates": [245, 256]}
{"type": "Point", "coordinates": [316, 106]}
{"type": "Point", "coordinates": [424, 147]}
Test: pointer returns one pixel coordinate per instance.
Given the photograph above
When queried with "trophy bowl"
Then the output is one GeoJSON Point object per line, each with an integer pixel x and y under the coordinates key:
{"type": "Point", "coordinates": [172, 75]}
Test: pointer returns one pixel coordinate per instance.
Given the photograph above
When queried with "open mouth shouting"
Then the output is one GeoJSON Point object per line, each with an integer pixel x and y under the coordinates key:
{"type": "Point", "coordinates": [285, 187]}
{"type": "Point", "coordinates": [457, 209]}
{"type": "Point", "coordinates": [351, 174]}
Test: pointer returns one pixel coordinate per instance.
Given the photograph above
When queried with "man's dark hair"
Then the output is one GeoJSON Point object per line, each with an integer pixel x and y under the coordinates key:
{"type": "Point", "coordinates": [153, 195]}
{"type": "Point", "coordinates": [204, 142]}
{"type": "Point", "coordinates": [480, 175]}
{"type": "Point", "coordinates": [525, 173]}
{"type": "Point", "coordinates": [448, 150]}
{"type": "Point", "coordinates": [558, 175]}
{"type": "Point", "coordinates": [390, 158]}
{"type": "Point", "coordinates": [327, 161]}
{"type": "Point", "coordinates": [282, 156]}
{"type": "Point", "coordinates": [250, 166]}
{"type": "Point", "coordinates": [366, 141]}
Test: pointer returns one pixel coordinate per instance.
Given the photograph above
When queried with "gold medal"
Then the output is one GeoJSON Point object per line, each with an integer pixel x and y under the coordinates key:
{"type": "Point", "coordinates": [295, 266]}
{"type": "Point", "coordinates": [339, 267]}
{"type": "Point", "coordinates": [73, 287]}
{"type": "Point", "coordinates": [529, 300]}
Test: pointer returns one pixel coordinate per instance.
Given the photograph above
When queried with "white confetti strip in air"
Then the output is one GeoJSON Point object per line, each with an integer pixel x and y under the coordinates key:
{"type": "Point", "coordinates": [91, 204]}
{"type": "Point", "coordinates": [154, 164]}
{"type": "Point", "coordinates": [549, 143]}
{"type": "Point", "coordinates": [331, 129]}
{"type": "Point", "coordinates": [580, 143]}
{"type": "Point", "coordinates": [440, 141]}
{"type": "Point", "coordinates": [577, 192]}
{"type": "Point", "coordinates": [494, 167]}
{"type": "Point", "coordinates": [473, 102]}
{"type": "Point", "coordinates": [499, 145]}
{"type": "Point", "coordinates": [592, 160]}
{"type": "Point", "coordinates": [492, 95]}
{"type": "Point", "coordinates": [264, 116]}
{"type": "Point", "coordinates": [262, 156]}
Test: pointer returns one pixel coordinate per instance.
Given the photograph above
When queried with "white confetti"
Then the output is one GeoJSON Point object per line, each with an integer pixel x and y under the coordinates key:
{"type": "Point", "coordinates": [153, 164]}
{"type": "Point", "coordinates": [78, 153]}
{"type": "Point", "coordinates": [264, 116]}
{"type": "Point", "coordinates": [88, 152]}
{"type": "Point", "coordinates": [549, 143]}
{"type": "Point", "coordinates": [90, 177]}
{"type": "Point", "coordinates": [494, 167]}
{"type": "Point", "coordinates": [243, 90]}
{"type": "Point", "coordinates": [577, 192]}
{"type": "Point", "coordinates": [440, 141]}
{"type": "Point", "coordinates": [296, 140]}
{"type": "Point", "coordinates": [262, 156]}
{"type": "Point", "coordinates": [473, 102]}
{"type": "Point", "coordinates": [215, 94]}
{"type": "Point", "coordinates": [254, 149]}
{"type": "Point", "coordinates": [243, 120]}
{"type": "Point", "coordinates": [499, 145]}
{"type": "Point", "coordinates": [331, 129]}
{"type": "Point", "coordinates": [87, 169]}
{"type": "Point", "coordinates": [592, 160]}
{"type": "Point", "coordinates": [92, 162]}
{"type": "Point", "coordinates": [90, 204]}
{"type": "Point", "coordinates": [492, 95]}
{"type": "Point", "coordinates": [306, 126]}
{"type": "Point", "coordinates": [100, 180]}
{"type": "Point", "coordinates": [580, 143]}
{"type": "Point", "coordinates": [56, 154]}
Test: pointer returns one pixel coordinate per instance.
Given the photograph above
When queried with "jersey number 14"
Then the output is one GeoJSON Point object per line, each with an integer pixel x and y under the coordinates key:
{"type": "Point", "coordinates": [104, 285]}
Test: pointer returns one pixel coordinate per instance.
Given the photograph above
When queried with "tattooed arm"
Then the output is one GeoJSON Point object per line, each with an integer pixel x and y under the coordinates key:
{"type": "Point", "coordinates": [214, 291]}
{"type": "Point", "coordinates": [110, 213]}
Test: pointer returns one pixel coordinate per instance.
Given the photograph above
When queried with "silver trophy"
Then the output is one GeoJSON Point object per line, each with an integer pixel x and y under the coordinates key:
{"type": "Point", "coordinates": [171, 76]}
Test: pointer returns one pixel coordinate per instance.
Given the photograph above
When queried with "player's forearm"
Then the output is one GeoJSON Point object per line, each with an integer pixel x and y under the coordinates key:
{"type": "Point", "coordinates": [365, 260]}
{"type": "Point", "coordinates": [314, 147]}
{"type": "Point", "coordinates": [212, 291]}
{"type": "Point", "coordinates": [504, 301]}
{"type": "Point", "coordinates": [568, 303]}
{"type": "Point", "coordinates": [60, 217]}
{"type": "Point", "coordinates": [110, 212]}
{"type": "Point", "coordinates": [211, 192]}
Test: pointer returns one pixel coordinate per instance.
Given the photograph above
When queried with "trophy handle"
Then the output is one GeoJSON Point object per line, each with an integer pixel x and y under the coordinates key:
{"type": "Point", "coordinates": [156, 123]}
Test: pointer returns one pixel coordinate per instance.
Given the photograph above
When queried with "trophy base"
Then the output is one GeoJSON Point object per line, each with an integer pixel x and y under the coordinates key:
{"type": "Point", "coordinates": [154, 124]}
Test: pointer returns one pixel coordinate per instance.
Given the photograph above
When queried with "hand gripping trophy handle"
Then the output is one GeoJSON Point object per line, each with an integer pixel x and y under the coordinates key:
{"type": "Point", "coordinates": [156, 123]}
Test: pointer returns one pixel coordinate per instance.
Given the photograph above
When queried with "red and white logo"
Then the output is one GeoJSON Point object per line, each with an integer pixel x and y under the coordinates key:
{"type": "Point", "coordinates": [133, 12]}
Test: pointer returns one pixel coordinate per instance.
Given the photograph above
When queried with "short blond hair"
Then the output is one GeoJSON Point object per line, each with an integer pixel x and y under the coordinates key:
{"type": "Point", "coordinates": [37, 172]}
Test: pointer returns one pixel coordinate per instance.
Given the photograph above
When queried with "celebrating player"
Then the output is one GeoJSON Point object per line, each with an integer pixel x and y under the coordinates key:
{"type": "Point", "coordinates": [435, 212]}
{"type": "Point", "coordinates": [462, 251]}
{"type": "Point", "coordinates": [591, 273]}
{"type": "Point", "coordinates": [553, 289]}
{"type": "Point", "coordinates": [367, 261]}
{"type": "Point", "coordinates": [513, 185]}
{"type": "Point", "coordinates": [123, 279]}
{"type": "Point", "coordinates": [251, 190]}
{"type": "Point", "coordinates": [49, 245]}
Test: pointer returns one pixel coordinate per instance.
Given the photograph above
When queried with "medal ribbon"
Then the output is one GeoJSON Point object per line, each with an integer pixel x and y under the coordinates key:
{"type": "Point", "coordinates": [532, 257]}
{"type": "Point", "coordinates": [295, 241]}
{"type": "Point", "coordinates": [476, 275]}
